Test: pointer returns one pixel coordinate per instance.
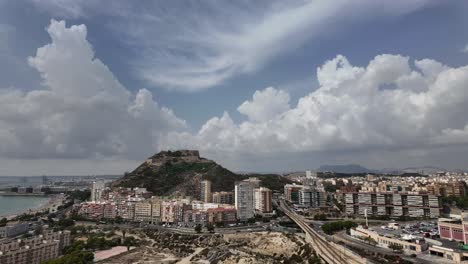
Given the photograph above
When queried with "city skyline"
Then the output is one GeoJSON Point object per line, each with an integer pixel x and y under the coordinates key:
{"type": "Point", "coordinates": [274, 86]}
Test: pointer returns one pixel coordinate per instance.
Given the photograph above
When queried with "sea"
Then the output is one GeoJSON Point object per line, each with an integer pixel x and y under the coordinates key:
{"type": "Point", "coordinates": [18, 204]}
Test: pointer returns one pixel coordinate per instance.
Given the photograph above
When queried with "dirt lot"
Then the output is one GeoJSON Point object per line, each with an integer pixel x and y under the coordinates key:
{"type": "Point", "coordinates": [244, 248]}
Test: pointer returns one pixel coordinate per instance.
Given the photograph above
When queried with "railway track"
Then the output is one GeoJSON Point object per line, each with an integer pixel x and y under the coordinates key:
{"type": "Point", "coordinates": [325, 249]}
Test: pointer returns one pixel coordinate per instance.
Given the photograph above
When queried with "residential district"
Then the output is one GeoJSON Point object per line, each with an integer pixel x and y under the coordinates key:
{"type": "Point", "coordinates": [409, 218]}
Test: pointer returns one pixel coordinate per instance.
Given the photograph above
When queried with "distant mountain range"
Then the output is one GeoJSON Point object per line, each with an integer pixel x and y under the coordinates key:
{"type": "Point", "coordinates": [355, 168]}
{"type": "Point", "coordinates": [349, 168]}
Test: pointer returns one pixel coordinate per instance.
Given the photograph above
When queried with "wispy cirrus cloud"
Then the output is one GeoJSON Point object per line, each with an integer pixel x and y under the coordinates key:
{"type": "Point", "coordinates": [208, 43]}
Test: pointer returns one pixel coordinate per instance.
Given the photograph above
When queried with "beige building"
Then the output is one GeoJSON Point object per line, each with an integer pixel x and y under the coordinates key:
{"type": "Point", "coordinates": [223, 197]}
{"type": "Point", "coordinates": [34, 250]}
{"type": "Point", "coordinates": [148, 211]}
{"type": "Point", "coordinates": [156, 210]}
{"type": "Point", "coordinates": [409, 244]}
{"type": "Point", "coordinates": [262, 200]}
{"type": "Point", "coordinates": [143, 211]}
{"type": "Point", "coordinates": [205, 191]}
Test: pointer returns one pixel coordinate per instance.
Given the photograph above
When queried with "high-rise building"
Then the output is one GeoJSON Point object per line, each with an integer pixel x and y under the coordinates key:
{"type": "Point", "coordinates": [311, 174]}
{"type": "Point", "coordinates": [223, 197]}
{"type": "Point", "coordinates": [244, 199]}
{"type": "Point", "coordinates": [96, 190]}
{"type": "Point", "coordinates": [393, 204]}
{"type": "Point", "coordinates": [312, 197]}
{"type": "Point", "coordinates": [205, 191]}
{"type": "Point", "coordinates": [262, 198]}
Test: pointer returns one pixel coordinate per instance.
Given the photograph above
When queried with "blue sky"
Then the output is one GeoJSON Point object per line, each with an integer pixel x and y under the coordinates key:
{"type": "Point", "coordinates": [199, 61]}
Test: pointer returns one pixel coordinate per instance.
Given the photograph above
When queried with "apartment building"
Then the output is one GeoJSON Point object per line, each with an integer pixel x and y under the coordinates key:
{"type": "Point", "coordinates": [109, 211]}
{"type": "Point", "coordinates": [12, 230]}
{"type": "Point", "coordinates": [193, 217]}
{"type": "Point", "coordinates": [126, 210]}
{"type": "Point", "coordinates": [172, 211]}
{"type": "Point", "coordinates": [244, 199]}
{"type": "Point", "coordinates": [98, 210]}
{"type": "Point", "coordinates": [205, 191]}
{"type": "Point", "coordinates": [223, 197]}
{"type": "Point", "coordinates": [156, 211]}
{"type": "Point", "coordinates": [148, 211]}
{"type": "Point", "coordinates": [310, 197]}
{"type": "Point", "coordinates": [393, 204]}
{"type": "Point", "coordinates": [96, 190]}
{"type": "Point", "coordinates": [454, 188]}
{"type": "Point", "coordinates": [34, 250]}
{"type": "Point", "coordinates": [291, 192]}
{"type": "Point", "coordinates": [390, 186]}
{"type": "Point", "coordinates": [263, 200]}
{"type": "Point", "coordinates": [222, 215]}
{"type": "Point", "coordinates": [143, 211]}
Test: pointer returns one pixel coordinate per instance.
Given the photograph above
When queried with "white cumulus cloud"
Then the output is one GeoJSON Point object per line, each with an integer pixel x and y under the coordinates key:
{"type": "Point", "coordinates": [386, 105]}
{"type": "Point", "coordinates": [82, 110]}
{"type": "Point", "coordinates": [265, 104]}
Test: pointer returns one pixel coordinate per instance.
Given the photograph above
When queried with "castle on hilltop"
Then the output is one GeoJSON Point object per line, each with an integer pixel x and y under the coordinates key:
{"type": "Point", "coordinates": [175, 156]}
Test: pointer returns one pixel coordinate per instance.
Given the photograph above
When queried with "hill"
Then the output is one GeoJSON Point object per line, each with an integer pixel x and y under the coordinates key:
{"type": "Point", "coordinates": [179, 173]}
{"type": "Point", "coordinates": [350, 168]}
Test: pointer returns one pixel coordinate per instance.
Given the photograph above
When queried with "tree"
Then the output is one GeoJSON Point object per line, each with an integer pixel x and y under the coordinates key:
{"type": "Point", "coordinates": [130, 242]}
{"type": "Point", "coordinates": [3, 222]}
{"type": "Point", "coordinates": [118, 219]}
{"type": "Point", "coordinates": [198, 228]}
{"type": "Point", "coordinates": [64, 223]}
{"type": "Point", "coordinates": [76, 257]}
{"type": "Point", "coordinates": [395, 247]}
{"type": "Point", "coordinates": [210, 228]}
{"type": "Point", "coordinates": [321, 217]}
{"type": "Point", "coordinates": [370, 240]}
{"type": "Point", "coordinates": [330, 228]}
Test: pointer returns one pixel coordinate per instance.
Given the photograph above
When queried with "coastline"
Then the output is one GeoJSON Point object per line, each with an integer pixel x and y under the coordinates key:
{"type": "Point", "coordinates": [50, 202]}
{"type": "Point", "coordinates": [22, 194]}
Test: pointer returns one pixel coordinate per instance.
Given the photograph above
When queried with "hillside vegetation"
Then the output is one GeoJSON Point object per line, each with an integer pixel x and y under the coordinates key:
{"type": "Point", "coordinates": [179, 173]}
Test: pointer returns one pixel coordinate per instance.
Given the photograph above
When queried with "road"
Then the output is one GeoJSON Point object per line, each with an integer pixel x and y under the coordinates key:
{"type": "Point", "coordinates": [328, 251]}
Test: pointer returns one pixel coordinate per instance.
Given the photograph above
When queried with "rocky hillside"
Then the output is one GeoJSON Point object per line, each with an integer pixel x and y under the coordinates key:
{"type": "Point", "coordinates": [180, 173]}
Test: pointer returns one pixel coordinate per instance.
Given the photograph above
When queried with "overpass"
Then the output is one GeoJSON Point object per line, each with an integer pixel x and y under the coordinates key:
{"type": "Point", "coordinates": [328, 251]}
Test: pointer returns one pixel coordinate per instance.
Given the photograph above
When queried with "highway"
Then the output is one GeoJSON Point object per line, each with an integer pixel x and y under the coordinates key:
{"type": "Point", "coordinates": [329, 252]}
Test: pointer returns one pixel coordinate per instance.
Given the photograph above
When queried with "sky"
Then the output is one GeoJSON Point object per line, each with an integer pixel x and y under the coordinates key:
{"type": "Point", "coordinates": [95, 87]}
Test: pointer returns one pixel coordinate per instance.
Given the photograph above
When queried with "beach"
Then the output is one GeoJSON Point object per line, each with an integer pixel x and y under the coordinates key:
{"type": "Point", "coordinates": [12, 206]}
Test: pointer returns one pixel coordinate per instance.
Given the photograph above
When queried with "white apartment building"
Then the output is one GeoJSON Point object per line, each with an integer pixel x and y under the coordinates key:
{"type": "Point", "coordinates": [96, 190]}
{"type": "Point", "coordinates": [244, 199]}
